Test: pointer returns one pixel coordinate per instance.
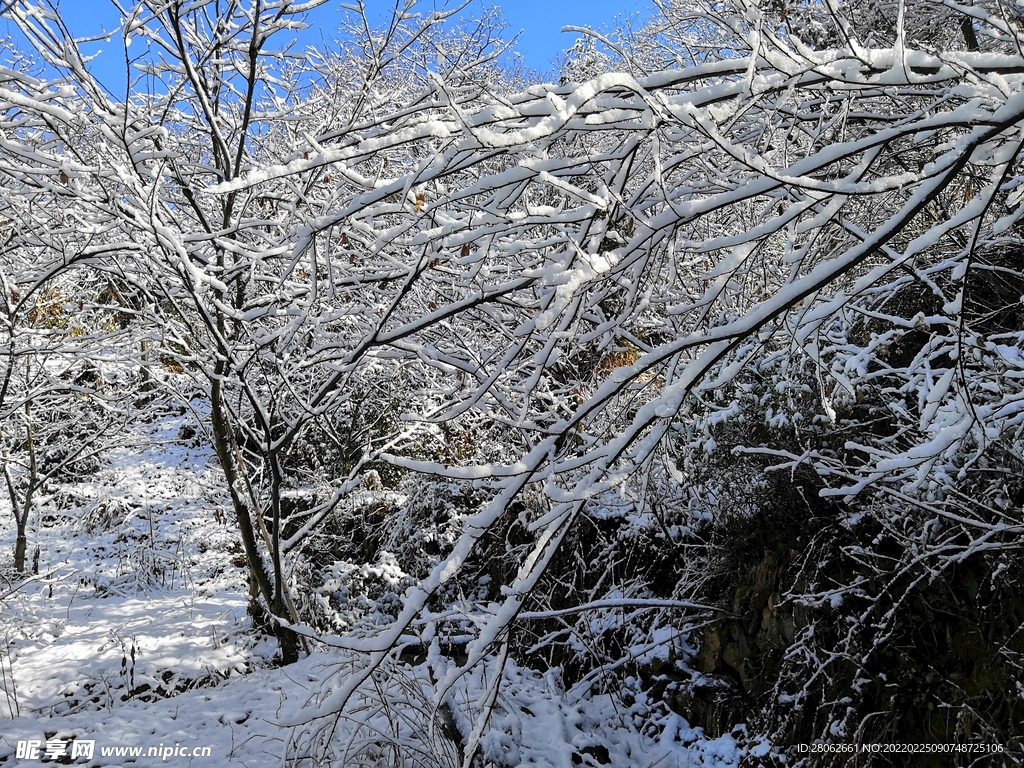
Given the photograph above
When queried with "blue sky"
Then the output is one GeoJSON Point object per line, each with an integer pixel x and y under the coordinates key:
{"type": "Point", "coordinates": [539, 21]}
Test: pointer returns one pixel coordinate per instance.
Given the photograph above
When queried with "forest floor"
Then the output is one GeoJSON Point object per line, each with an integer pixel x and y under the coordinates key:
{"type": "Point", "coordinates": [131, 632]}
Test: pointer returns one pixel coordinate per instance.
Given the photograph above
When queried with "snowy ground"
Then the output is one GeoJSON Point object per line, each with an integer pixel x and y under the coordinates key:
{"type": "Point", "coordinates": [134, 634]}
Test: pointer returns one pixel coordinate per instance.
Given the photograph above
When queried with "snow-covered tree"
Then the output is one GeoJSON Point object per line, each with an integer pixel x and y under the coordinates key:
{"type": "Point", "coordinates": [61, 323]}
{"type": "Point", "coordinates": [790, 233]}
{"type": "Point", "coordinates": [242, 177]}
{"type": "Point", "coordinates": [820, 237]}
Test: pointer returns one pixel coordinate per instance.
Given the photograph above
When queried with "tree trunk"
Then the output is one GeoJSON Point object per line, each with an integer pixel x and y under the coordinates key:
{"type": "Point", "coordinates": [21, 542]}
{"type": "Point", "coordinates": [285, 636]}
{"type": "Point", "coordinates": [269, 591]}
{"type": "Point", "coordinates": [20, 545]}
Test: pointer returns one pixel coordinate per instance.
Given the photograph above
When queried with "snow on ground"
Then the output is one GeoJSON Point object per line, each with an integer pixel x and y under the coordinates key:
{"type": "Point", "coordinates": [134, 634]}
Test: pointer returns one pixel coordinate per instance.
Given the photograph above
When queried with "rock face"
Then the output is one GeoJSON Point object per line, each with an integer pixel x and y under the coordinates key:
{"type": "Point", "coordinates": [822, 623]}
{"type": "Point", "coordinates": [741, 651]}
{"type": "Point", "coordinates": [742, 644]}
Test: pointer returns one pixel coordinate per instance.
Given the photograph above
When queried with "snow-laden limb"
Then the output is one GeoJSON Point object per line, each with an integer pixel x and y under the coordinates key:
{"type": "Point", "coordinates": [821, 220]}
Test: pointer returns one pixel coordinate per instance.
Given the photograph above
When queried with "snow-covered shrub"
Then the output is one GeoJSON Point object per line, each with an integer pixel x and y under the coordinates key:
{"type": "Point", "coordinates": [392, 722]}
{"type": "Point", "coordinates": [423, 529]}
{"type": "Point", "coordinates": [360, 562]}
{"type": "Point", "coordinates": [358, 597]}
